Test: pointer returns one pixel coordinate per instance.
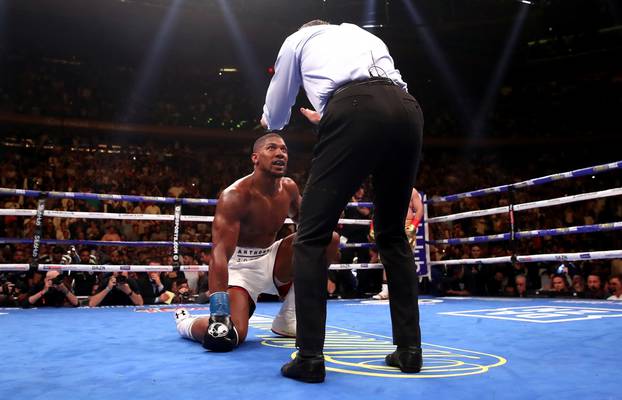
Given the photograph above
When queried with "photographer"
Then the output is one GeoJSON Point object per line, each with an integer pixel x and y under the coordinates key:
{"type": "Point", "coordinates": [183, 293]}
{"type": "Point", "coordinates": [117, 290]}
{"type": "Point", "coordinates": [8, 291]}
{"type": "Point", "coordinates": [53, 291]}
{"type": "Point", "coordinates": [84, 283]}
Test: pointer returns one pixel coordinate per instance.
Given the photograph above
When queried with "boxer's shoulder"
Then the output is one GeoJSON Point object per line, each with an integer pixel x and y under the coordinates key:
{"type": "Point", "coordinates": [290, 186]}
{"type": "Point", "coordinates": [234, 201]}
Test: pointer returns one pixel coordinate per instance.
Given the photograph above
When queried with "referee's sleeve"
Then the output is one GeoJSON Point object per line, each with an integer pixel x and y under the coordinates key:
{"type": "Point", "coordinates": [283, 88]}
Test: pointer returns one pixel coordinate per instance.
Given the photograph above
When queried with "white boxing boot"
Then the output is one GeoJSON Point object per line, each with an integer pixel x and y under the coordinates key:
{"type": "Point", "coordinates": [284, 324]}
{"type": "Point", "coordinates": [384, 293]}
{"type": "Point", "coordinates": [184, 322]}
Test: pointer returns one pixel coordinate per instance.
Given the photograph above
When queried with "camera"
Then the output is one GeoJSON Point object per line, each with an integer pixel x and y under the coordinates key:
{"type": "Point", "coordinates": [121, 279]}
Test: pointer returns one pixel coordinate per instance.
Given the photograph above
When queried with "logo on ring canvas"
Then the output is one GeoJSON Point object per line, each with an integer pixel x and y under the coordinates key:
{"type": "Point", "coordinates": [361, 353]}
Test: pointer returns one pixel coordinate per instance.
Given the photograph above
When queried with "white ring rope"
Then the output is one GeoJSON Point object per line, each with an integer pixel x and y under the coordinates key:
{"type": "Point", "coordinates": [588, 255]}
{"type": "Point", "coordinates": [529, 206]}
{"type": "Point", "coordinates": [593, 255]}
{"type": "Point", "coordinates": [139, 217]}
{"type": "Point", "coordinates": [103, 268]}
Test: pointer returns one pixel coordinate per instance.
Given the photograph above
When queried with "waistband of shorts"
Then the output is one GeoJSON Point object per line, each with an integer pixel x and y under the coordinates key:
{"type": "Point", "coordinates": [363, 82]}
{"type": "Point", "coordinates": [250, 252]}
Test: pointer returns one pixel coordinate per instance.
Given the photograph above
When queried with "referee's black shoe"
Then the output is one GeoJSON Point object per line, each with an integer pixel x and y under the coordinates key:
{"type": "Point", "coordinates": [407, 359]}
{"type": "Point", "coordinates": [309, 369]}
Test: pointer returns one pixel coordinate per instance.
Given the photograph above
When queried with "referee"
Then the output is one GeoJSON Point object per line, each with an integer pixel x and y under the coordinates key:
{"type": "Point", "coordinates": [367, 124]}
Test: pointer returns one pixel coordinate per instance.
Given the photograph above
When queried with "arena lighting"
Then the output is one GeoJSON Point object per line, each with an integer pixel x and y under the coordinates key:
{"type": "Point", "coordinates": [150, 67]}
{"type": "Point", "coordinates": [244, 51]}
{"type": "Point", "coordinates": [369, 15]}
{"type": "Point", "coordinates": [226, 69]}
{"type": "Point", "coordinates": [434, 51]}
{"type": "Point", "coordinates": [526, 2]}
{"type": "Point", "coordinates": [495, 82]}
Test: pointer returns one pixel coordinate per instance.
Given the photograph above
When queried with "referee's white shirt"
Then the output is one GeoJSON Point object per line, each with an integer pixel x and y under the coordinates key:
{"type": "Point", "coordinates": [321, 58]}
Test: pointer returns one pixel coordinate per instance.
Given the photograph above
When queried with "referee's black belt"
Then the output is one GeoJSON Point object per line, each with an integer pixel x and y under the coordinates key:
{"type": "Point", "coordinates": [363, 82]}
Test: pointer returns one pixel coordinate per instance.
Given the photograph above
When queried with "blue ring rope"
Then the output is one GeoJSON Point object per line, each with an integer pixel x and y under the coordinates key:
{"type": "Point", "coordinates": [530, 182]}
{"type": "Point", "coordinates": [613, 226]}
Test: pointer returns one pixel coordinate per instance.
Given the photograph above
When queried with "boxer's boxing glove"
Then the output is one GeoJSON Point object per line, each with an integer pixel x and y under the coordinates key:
{"type": "Point", "coordinates": [221, 335]}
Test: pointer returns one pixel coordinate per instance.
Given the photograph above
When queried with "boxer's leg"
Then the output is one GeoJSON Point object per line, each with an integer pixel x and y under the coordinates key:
{"type": "Point", "coordinates": [240, 303]}
{"type": "Point", "coordinates": [185, 323]}
{"type": "Point", "coordinates": [284, 323]}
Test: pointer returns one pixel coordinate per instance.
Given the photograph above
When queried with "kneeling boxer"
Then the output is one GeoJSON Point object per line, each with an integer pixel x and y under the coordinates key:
{"type": "Point", "coordinates": [245, 259]}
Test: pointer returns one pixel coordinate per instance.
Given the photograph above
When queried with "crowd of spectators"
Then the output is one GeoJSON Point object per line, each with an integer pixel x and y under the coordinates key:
{"type": "Point", "coordinates": [73, 162]}
{"type": "Point", "coordinates": [548, 104]}
{"type": "Point", "coordinates": [191, 97]}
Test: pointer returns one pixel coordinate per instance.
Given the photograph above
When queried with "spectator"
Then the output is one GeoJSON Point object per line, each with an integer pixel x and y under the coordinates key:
{"type": "Point", "coordinates": [520, 285]}
{"type": "Point", "coordinates": [111, 234]}
{"type": "Point", "coordinates": [117, 290]}
{"type": "Point", "coordinates": [578, 286]}
{"type": "Point", "coordinates": [559, 287]}
{"type": "Point", "coordinates": [615, 287]}
{"type": "Point", "coordinates": [155, 287]}
{"type": "Point", "coordinates": [183, 293]}
{"type": "Point", "coordinates": [496, 284]}
{"type": "Point", "coordinates": [53, 291]}
{"type": "Point", "coordinates": [594, 288]}
{"type": "Point", "coordinates": [8, 292]}
{"type": "Point", "coordinates": [457, 284]}
{"type": "Point", "coordinates": [84, 283]}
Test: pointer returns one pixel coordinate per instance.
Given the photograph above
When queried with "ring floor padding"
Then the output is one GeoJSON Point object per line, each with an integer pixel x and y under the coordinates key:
{"type": "Point", "coordinates": [474, 348]}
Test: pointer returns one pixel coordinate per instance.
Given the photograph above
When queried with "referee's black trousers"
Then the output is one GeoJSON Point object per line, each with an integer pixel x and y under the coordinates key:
{"type": "Point", "coordinates": [371, 128]}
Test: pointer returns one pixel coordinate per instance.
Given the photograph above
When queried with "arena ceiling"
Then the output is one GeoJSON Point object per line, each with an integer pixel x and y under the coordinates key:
{"type": "Point", "coordinates": [124, 29]}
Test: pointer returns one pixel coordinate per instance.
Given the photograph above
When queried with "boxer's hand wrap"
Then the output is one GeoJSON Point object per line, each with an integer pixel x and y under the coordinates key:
{"type": "Point", "coordinates": [412, 227]}
{"type": "Point", "coordinates": [372, 234]}
{"type": "Point", "coordinates": [411, 232]}
{"type": "Point", "coordinates": [221, 335]}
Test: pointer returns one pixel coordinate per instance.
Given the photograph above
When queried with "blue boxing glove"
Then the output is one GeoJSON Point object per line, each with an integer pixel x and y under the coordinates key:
{"type": "Point", "coordinates": [221, 335]}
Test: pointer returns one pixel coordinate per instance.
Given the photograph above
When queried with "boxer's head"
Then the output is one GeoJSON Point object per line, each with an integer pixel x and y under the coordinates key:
{"type": "Point", "coordinates": [270, 154]}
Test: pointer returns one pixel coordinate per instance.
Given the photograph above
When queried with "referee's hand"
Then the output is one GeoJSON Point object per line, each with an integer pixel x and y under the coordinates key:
{"type": "Point", "coordinates": [313, 116]}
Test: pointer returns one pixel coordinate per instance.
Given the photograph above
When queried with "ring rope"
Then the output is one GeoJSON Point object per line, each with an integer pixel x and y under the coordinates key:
{"type": "Point", "coordinates": [40, 213]}
{"type": "Point", "coordinates": [138, 217]}
{"type": "Point", "coordinates": [212, 202]}
{"type": "Point", "coordinates": [588, 255]}
{"type": "Point", "coordinates": [105, 242]}
{"type": "Point", "coordinates": [612, 226]}
{"type": "Point", "coordinates": [103, 268]}
{"type": "Point", "coordinates": [144, 243]}
{"type": "Point", "coordinates": [530, 182]}
{"type": "Point", "coordinates": [594, 255]}
{"type": "Point", "coordinates": [144, 268]}
{"type": "Point", "coordinates": [529, 205]}
{"type": "Point", "coordinates": [130, 198]}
